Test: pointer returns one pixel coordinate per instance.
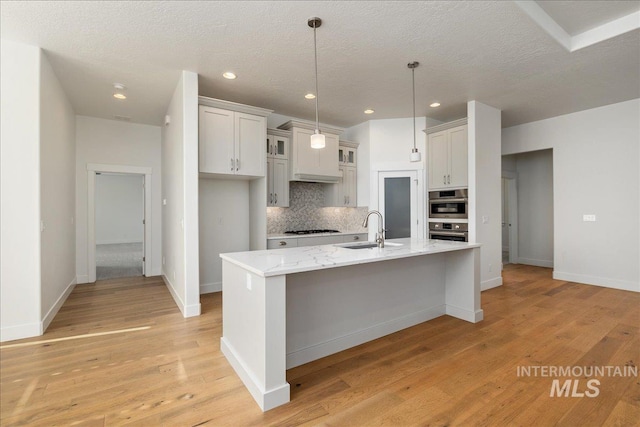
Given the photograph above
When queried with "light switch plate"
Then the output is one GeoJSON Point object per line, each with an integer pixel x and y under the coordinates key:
{"type": "Point", "coordinates": [588, 218]}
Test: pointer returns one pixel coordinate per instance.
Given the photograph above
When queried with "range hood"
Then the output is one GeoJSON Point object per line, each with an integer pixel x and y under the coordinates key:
{"type": "Point", "coordinates": [310, 164]}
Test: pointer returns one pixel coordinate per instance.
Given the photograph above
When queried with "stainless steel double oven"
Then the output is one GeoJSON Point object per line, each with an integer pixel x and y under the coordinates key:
{"type": "Point", "coordinates": [449, 204]}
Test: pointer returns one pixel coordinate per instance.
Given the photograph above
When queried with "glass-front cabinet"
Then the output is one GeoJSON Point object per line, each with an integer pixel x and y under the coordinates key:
{"type": "Point", "coordinates": [277, 147]}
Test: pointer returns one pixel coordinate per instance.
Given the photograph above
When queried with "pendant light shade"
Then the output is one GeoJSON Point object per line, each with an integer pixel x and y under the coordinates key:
{"type": "Point", "coordinates": [317, 139]}
{"type": "Point", "coordinates": [415, 154]}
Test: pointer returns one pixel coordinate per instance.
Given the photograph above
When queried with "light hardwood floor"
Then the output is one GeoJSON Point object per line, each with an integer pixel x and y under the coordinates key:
{"type": "Point", "coordinates": [444, 372]}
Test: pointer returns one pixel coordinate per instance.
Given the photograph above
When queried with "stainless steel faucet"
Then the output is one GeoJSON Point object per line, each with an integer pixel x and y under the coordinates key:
{"type": "Point", "coordinates": [380, 233]}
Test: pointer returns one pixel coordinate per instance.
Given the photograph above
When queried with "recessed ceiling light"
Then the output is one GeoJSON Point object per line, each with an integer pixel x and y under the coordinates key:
{"type": "Point", "coordinates": [310, 96]}
{"type": "Point", "coordinates": [369, 111]}
{"type": "Point", "coordinates": [434, 105]}
{"type": "Point", "coordinates": [119, 91]}
{"type": "Point", "coordinates": [229, 75]}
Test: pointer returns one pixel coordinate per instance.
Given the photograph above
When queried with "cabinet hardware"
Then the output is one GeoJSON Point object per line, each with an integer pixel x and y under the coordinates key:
{"type": "Point", "coordinates": [356, 237]}
{"type": "Point", "coordinates": [275, 200]}
{"type": "Point", "coordinates": [448, 179]}
{"type": "Point", "coordinates": [444, 179]}
{"type": "Point", "coordinates": [283, 243]}
{"type": "Point", "coordinates": [237, 164]}
{"type": "Point", "coordinates": [271, 198]}
{"type": "Point", "coordinates": [232, 165]}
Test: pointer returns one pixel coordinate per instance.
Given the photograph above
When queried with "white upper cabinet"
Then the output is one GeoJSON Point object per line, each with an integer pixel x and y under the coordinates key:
{"type": "Point", "coordinates": [231, 139]}
{"type": "Point", "coordinates": [310, 164]}
{"type": "Point", "coordinates": [277, 145]}
{"type": "Point", "coordinates": [277, 182]}
{"type": "Point", "coordinates": [447, 156]}
{"type": "Point", "coordinates": [343, 193]}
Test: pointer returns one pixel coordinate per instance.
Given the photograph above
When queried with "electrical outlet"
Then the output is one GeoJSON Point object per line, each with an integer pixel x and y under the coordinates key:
{"type": "Point", "coordinates": [589, 218]}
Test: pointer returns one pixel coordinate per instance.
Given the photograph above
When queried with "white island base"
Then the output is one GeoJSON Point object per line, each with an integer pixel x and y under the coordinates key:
{"type": "Point", "coordinates": [283, 308]}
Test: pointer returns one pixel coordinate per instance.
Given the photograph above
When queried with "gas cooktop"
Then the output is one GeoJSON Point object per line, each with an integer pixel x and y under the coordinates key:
{"type": "Point", "coordinates": [310, 231]}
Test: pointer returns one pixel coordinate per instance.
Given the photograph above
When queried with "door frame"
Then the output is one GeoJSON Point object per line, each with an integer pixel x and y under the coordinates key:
{"type": "Point", "coordinates": [512, 208]}
{"type": "Point", "coordinates": [92, 168]}
{"type": "Point", "coordinates": [417, 195]}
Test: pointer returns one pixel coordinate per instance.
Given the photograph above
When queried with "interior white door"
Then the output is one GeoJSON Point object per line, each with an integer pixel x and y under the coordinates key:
{"type": "Point", "coordinates": [398, 203]}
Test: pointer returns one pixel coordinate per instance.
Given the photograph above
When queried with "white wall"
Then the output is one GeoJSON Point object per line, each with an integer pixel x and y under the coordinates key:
{"type": "Point", "coordinates": [20, 191]}
{"type": "Point", "coordinates": [222, 229]}
{"type": "Point", "coordinates": [485, 172]}
{"type": "Point", "coordinates": [535, 208]}
{"type": "Point", "coordinates": [596, 163]}
{"type": "Point", "coordinates": [114, 142]}
{"type": "Point", "coordinates": [180, 190]}
{"type": "Point", "coordinates": [119, 204]}
{"type": "Point", "coordinates": [57, 193]}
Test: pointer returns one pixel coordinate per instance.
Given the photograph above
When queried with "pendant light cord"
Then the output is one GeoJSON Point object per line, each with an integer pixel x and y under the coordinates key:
{"type": "Point", "coordinates": [413, 80]}
{"type": "Point", "coordinates": [315, 55]}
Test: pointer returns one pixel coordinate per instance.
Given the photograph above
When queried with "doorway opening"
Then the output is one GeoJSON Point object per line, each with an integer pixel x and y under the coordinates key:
{"type": "Point", "coordinates": [119, 225]}
{"type": "Point", "coordinates": [398, 202]}
{"type": "Point", "coordinates": [142, 194]}
{"type": "Point", "coordinates": [528, 207]}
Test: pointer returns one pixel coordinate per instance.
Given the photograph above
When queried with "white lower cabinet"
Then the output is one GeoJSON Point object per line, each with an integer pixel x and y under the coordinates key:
{"type": "Point", "coordinates": [295, 242]}
{"type": "Point", "coordinates": [282, 243]}
{"type": "Point", "coordinates": [278, 182]}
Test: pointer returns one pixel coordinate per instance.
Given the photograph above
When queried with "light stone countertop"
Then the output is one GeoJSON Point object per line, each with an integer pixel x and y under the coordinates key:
{"type": "Point", "coordinates": [275, 262]}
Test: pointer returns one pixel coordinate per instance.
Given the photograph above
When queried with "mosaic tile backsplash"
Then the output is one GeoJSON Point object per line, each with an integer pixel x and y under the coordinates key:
{"type": "Point", "coordinates": [306, 212]}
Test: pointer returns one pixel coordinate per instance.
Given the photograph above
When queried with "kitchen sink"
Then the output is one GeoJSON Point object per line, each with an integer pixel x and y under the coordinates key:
{"type": "Point", "coordinates": [366, 245]}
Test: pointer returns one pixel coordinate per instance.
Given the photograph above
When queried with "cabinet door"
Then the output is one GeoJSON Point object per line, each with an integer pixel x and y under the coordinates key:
{"type": "Point", "coordinates": [349, 186]}
{"type": "Point", "coordinates": [349, 156]}
{"type": "Point", "coordinates": [250, 134]}
{"type": "Point", "coordinates": [438, 160]}
{"type": "Point", "coordinates": [270, 197]}
{"type": "Point", "coordinates": [280, 183]}
{"type": "Point", "coordinates": [458, 169]}
{"type": "Point", "coordinates": [216, 140]}
{"type": "Point", "coordinates": [280, 147]}
{"type": "Point", "coordinates": [269, 149]}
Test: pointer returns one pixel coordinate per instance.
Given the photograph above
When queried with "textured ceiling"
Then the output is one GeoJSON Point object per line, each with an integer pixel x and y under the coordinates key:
{"type": "Point", "coordinates": [587, 15]}
{"type": "Point", "coordinates": [489, 51]}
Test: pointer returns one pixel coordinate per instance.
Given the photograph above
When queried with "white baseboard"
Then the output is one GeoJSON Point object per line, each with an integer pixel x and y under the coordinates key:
{"type": "Point", "coordinates": [18, 332]}
{"type": "Point", "coordinates": [207, 288]}
{"type": "Point", "coordinates": [81, 279]}
{"type": "Point", "coordinates": [56, 306]}
{"type": "Point", "coordinates": [305, 355]}
{"type": "Point", "coordinates": [491, 283]}
{"type": "Point", "coordinates": [536, 262]}
{"type": "Point", "coordinates": [173, 293]}
{"type": "Point", "coordinates": [186, 310]}
{"type": "Point", "coordinates": [266, 399]}
{"type": "Point", "coordinates": [606, 282]}
{"type": "Point", "coordinates": [463, 314]}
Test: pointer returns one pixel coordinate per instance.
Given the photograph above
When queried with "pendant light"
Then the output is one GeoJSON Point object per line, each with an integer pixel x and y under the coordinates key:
{"type": "Point", "coordinates": [415, 154]}
{"type": "Point", "coordinates": [317, 139]}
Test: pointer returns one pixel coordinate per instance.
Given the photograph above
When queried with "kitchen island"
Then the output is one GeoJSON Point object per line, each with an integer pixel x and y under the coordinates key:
{"type": "Point", "coordinates": [286, 307]}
